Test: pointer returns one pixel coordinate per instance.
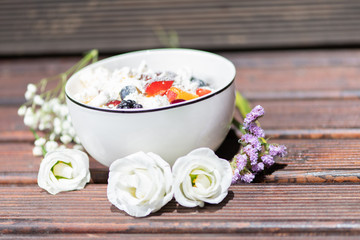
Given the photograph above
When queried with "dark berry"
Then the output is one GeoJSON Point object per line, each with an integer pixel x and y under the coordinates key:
{"type": "Point", "coordinates": [126, 91]}
{"type": "Point", "coordinates": [177, 101]}
{"type": "Point", "coordinates": [128, 104]}
{"type": "Point", "coordinates": [200, 82]}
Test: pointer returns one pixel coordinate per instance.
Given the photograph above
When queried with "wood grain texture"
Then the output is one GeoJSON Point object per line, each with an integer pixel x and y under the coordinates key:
{"type": "Point", "coordinates": [272, 209]}
{"type": "Point", "coordinates": [312, 104]}
{"type": "Point", "coordinates": [315, 161]}
{"type": "Point", "coordinates": [39, 27]}
{"type": "Point", "coordinates": [191, 236]}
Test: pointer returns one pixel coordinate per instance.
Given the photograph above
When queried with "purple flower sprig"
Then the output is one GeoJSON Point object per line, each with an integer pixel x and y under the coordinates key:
{"type": "Point", "coordinates": [255, 153]}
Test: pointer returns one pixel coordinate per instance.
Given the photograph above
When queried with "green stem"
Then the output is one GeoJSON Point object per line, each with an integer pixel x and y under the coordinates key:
{"type": "Point", "coordinates": [36, 138]}
{"type": "Point", "coordinates": [91, 56]}
{"type": "Point", "coordinates": [242, 104]}
{"type": "Point", "coordinates": [238, 125]}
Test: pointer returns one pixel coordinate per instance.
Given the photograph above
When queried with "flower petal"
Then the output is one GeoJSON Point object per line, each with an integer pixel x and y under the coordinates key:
{"type": "Point", "coordinates": [73, 176]}
{"type": "Point", "coordinates": [200, 177]}
{"type": "Point", "coordinates": [140, 183]}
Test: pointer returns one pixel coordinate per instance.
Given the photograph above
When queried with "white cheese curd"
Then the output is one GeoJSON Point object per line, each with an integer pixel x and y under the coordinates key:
{"type": "Point", "coordinates": [140, 87]}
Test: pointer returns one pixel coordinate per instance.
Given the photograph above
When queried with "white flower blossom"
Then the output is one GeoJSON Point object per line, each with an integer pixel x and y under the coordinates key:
{"type": "Point", "coordinates": [51, 146]}
{"type": "Point", "coordinates": [38, 100]}
{"type": "Point", "coordinates": [64, 170]}
{"type": "Point", "coordinates": [46, 107]}
{"type": "Point", "coordinates": [29, 95]}
{"type": "Point", "coordinates": [22, 111]}
{"type": "Point", "coordinates": [40, 142]}
{"type": "Point", "coordinates": [31, 88]}
{"type": "Point", "coordinates": [57, 122]}
{"type": "Point", "coordinates": [77, 140]}
{"type": "Point", "coordinates": [57, 130]}
{"type": "Point", "coordinates": [37, 151]}
{"type": "Point", "coordinates": [65, 139]}
{"type": "Point", "coordinates": [45, 121]}
{"type": "Point", "coordinates": [30, 92]}
{"type": "Point", "coordinates": [52, 136]}
{"type": "Point", "coordinates": [64, 111]}
{"type": "Point", "coordinates": [71, 132]}
{"type": "Point", "coordinates": [56, 107]}
{"type": "Point", "coordinates": [30, 118]}
{"type": "Point", "coordinates": [66, 125]}
{"type": "Point", "coordinates": [140, 183]}
{"type": "Point", "coordinates": [78, 147]}
{"type": "Point", "coordinates": [41, 126]}
{"type": "Point", "coordinates": [201, 177]}
{"type": "Point", "coordinates": [54, 103]}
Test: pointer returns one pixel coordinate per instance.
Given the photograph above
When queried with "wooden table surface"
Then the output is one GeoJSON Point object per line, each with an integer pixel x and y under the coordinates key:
{"type": "Point", "coordinates": [313, 107]}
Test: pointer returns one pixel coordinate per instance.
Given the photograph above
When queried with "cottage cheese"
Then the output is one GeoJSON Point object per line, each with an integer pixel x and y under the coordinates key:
{"type": "Point", "coordinates": [102, 86]}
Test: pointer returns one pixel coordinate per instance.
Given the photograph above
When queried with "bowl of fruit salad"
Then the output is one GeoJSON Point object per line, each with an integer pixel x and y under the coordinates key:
{"type": "Point", "coordinates": [165, 101]}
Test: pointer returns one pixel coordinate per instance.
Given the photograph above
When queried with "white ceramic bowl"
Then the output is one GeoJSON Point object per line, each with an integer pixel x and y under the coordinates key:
{"type": "Point", "coordinates": [170, 131]}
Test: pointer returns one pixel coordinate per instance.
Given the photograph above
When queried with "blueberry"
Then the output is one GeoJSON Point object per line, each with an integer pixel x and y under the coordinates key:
{"type": "Point", "coordinates": [126, 91]}
{"type": "Point", "coordinates": [200, 82]}
{"type": "Point", "coordinates": [128, 104]}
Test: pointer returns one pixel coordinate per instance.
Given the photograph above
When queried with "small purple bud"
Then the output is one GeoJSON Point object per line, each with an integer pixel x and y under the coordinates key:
{"type": "Point", "coordinates": [235, 177]}
{"type": "Point", "coordinates": [248, 177]}
{"type": "Point", "coordinates": [253, 115]}
{"type": "Point", "coordinates": [252, 154]}
{"type": "Point", "coordinates": [277, 150]}
{"type": "Point", "coordinates": [251, 139]}
{"type": "Point", "coordinates": [256, 130]}
{"type": "Point", "coordinates": [241, 161]}
{"type": "Point", "coordinates": [268, 160]}
{"type": "Point", "coordinates": [258, 167]}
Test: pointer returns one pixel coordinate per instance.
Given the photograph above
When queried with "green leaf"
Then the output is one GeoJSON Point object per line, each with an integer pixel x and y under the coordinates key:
{"type": "Point", "coordinates": [242, 104]}
{"type": "Point", "coordinates": [263, 141]}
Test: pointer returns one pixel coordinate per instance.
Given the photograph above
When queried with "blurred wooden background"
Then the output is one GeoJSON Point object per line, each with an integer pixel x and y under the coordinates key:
{"type": "Point", "coordinates": [37, 27]}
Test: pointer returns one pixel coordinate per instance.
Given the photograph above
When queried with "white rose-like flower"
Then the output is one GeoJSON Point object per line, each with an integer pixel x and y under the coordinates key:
{"type": "Point", "coordinates": [64, 170]}
{"type": "Point", "coordinates": [201, 177]}
{"type": "Point", "coordinates": [140, 184]}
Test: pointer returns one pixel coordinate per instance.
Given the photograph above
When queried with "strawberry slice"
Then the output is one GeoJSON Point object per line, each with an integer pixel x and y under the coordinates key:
{"type": "Point", "coordinates": [158, 88]}
{"type": "Point", "coordinates": [201, 91]}
{"type": "Point", "coordinates": [171, 95]}
{"type": "Point", "coordinates": [113, 103]}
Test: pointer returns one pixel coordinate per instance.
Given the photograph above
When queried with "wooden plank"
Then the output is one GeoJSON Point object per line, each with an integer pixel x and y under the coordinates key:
{"type": "Point", "coordinates": [315, 161]}
{"type": "Point", "coordinates": [242, 236]}
{"type": "Point", "coordinates": [16, 73]}
{"type": "Point", "coordinates": [314, 133]}
{"type": "Point", "coordinates": [45, 27]}
{"type": "Point", "coordinates": [249, 209]}
{"type": "Point", "coordinates": [313, 114]}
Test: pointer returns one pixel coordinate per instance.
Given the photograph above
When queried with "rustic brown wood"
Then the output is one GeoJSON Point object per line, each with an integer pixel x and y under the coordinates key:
{"type": "Point", "coordinates": [315, 161]}
{"type": "Point", "coordinates": [311, 99]}
{"type": "Point", "coordinates": [314, 133]}
{"type": "Point", "coordinates": [45, 26]}
{"type": "Point", "coordinates": [272, 209]}
{"type": "Point", "coordinates": [191, 236]}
